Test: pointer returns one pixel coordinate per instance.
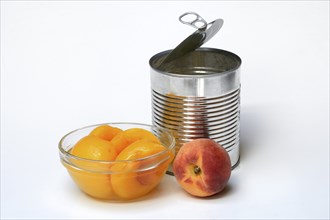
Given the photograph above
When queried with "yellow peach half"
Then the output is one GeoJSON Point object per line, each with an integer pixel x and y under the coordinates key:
{"type": "Point", "coordinates": [90, 169]}
{"type": "Point", "coordinates": [93, 148]}
{"type": "Point", "coordinates": [97, 185]}
{"type": "Point", "coordinates": [129, 136]}
{"type": "Point", "coordinates": [134, 179]}
{"type": "Point", "coordinates": [105, 132]}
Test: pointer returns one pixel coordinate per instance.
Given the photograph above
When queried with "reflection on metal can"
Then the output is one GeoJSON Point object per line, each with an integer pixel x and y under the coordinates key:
{"type": "Point", "coordinates": [198, 96]}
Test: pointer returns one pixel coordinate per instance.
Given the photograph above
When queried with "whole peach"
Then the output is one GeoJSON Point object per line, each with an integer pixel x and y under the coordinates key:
{"type": "Point", "coordinates": [202, 167]}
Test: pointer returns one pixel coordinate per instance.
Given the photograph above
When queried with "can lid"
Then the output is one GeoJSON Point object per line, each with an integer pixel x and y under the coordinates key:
{"type": "Point", "coordinates": [205, 31]}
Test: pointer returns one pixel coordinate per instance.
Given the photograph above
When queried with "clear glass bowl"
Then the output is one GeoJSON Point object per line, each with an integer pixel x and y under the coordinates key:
{"type": "Point", "coordinates": [117, 179]}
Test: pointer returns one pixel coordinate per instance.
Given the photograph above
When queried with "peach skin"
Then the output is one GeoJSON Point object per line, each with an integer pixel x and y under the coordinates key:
{"type": "Point", "coordinates": [202, 167]}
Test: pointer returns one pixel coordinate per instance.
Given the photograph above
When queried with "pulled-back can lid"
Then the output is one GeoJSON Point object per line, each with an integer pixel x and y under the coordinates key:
{"type": "Point", "coordinates": [203, 33]}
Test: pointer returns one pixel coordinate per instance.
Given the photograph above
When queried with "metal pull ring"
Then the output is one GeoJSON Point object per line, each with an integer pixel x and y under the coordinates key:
{"type": "Point", "coordinates": [193, 19]}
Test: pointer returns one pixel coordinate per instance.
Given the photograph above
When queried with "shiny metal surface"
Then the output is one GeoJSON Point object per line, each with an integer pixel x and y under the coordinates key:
{"type": "Point", "coordinates": [193, 19]}
{"type": "Point", "coordinates": [203, 34]}
{"type": "Point", "coordinates": [198, 96]}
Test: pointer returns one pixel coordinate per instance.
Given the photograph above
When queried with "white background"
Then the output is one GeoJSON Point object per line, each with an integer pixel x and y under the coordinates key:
{"type": "Point", "coordinates": [65, 65]}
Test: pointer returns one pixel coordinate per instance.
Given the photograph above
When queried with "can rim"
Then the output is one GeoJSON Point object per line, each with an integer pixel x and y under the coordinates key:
{"type": "Point", "coordinates": [201, 49]}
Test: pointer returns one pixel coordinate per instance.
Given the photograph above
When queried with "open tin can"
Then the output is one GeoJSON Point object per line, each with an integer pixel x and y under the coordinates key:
{"type": "Point", "coordinates": [198, 96]}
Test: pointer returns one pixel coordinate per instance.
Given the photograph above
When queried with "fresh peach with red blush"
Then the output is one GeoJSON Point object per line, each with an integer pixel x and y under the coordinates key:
{"type": "Point", "coordinates": [202, 167]}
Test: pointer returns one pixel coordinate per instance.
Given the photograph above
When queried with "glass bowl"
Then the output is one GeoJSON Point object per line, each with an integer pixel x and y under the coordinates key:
{"type": "Point", "coordinates": [117, 179]}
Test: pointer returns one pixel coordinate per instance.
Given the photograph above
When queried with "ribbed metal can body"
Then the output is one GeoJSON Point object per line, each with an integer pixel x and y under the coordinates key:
{"type": "Point", "coordinates": [198, 96]}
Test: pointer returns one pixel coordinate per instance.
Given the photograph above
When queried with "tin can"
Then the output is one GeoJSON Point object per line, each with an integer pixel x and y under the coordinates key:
{"type": "Point", "coordinates": [198, 96]}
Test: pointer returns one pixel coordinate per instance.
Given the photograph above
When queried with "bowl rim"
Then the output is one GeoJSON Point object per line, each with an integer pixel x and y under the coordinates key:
{"type": "Point", "coordinates": [66, 153]}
